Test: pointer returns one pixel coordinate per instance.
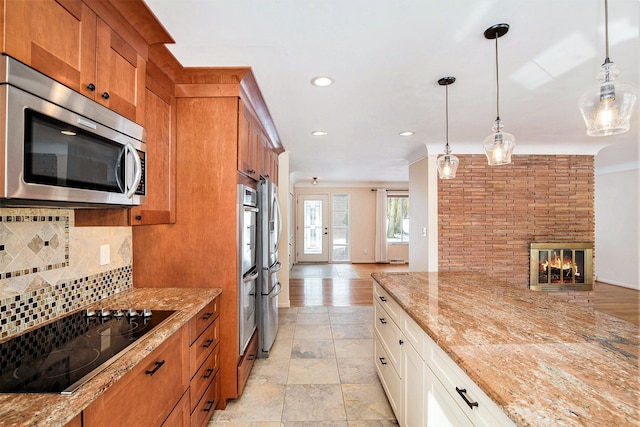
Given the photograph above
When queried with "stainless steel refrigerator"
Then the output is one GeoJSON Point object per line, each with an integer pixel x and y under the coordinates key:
{"type": "Point", "coordinates": [270, 287]}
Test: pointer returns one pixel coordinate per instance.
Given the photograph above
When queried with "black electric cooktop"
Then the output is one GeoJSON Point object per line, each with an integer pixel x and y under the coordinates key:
{"type": "Point", "coordinates": [61, 356]}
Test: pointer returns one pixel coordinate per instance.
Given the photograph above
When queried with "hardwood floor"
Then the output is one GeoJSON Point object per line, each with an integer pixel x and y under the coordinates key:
{"type": "Point", "coordinates": [350, 284]}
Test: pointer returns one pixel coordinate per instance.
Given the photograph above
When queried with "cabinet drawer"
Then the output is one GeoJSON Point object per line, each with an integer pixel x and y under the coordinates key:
{"type": "Point", "coordinates": [388, 303]}
{"type": "Point", "coordinates": [147, 394]}
{"type": "Point", "coordinates": [484, 411]}
{"type": "Point", "coordinates": [203, 411]}
{"type": "Point", "coordinates": [203, 319]}
{"type": "Point", "coordinates": [390, 335]}
{"type": "Point", "coordinates": [203, 377]}
{"type": "Point", "coordinates": [388, 377]}
{"type": "Point", "coordinates": [202, 347]}
{"type": "Point", "coordinates": [441, 409]}
{"type": "Point", "coordinates": [246, 362]}
{"type": "Point", "coordinates": [414, 335]}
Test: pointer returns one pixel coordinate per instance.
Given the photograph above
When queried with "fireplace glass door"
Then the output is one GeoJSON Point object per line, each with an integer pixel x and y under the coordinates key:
{"type": "Point", "coordinates": [561, 266]}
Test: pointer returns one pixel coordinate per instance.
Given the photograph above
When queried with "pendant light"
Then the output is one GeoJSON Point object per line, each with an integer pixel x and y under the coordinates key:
{"type": "Point", "coordinates": [499, 145]}
{"type": "Point", "coordinates": [447, 163]}
{"type": "Point", "coordinates": [607, 107]}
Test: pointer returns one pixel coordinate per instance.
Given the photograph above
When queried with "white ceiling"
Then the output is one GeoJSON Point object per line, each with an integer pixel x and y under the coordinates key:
{"type": "Point", "coordinates": [386, 57]}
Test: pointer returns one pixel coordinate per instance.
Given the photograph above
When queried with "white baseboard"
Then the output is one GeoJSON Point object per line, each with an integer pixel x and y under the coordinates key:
{"type": "Point", "coordinates": [616, 283]}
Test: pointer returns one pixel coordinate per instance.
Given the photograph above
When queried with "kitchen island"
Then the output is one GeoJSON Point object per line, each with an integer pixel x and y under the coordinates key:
{"type": "Point", "coordinates": [58, 410]}
{"type": "Point", "coordinates": [541, 360]}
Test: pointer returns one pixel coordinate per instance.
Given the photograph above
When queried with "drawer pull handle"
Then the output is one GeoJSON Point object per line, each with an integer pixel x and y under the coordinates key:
{"type": "Point", "coordinates": [382, 361]}
{"type": "Point", "coordinates": [209, 405]}
{"type": "Point", "coordinates": [383, 320]}
{"type": "Point", "coordinates": [382, 298]}
{"type": "Point", "coordinates": [462, 392]}
{"type": "Point", "coordinates": [208, 374]}
{"type": "Point", "coordinates": [154, 370]}
{"type": "Point", "coordinates": [207, 343]}
{"type": "Point", "coordinates": [207, 316]}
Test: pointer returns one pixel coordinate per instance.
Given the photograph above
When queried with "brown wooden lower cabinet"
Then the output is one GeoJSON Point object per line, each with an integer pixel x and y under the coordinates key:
{"type": "Point", "coordinates": [148, 393]}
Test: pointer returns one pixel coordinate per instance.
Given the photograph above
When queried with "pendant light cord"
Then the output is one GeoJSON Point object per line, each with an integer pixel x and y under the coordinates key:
{"type": "Point", "coordinates": [606, 30]}
{"type": "Point", "coordinates": [498, 82]}
{"type": "Point", "coordinates": [447, 113]}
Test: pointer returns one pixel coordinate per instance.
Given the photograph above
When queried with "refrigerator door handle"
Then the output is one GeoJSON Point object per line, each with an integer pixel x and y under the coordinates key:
{"type": "Point", "coordinates": [277, 288]}
{"type": "Point", "coordinates": [275, 267]}
{"type": "Point", "coordinates": [279, 218]}
{"type": "Point", "coordinates": [251, 275]}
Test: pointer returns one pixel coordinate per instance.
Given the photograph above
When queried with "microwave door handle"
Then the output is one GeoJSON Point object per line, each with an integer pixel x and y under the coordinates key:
{"type": "Point", "coordinates": [119, 166]}
{"type": "Point", "coordinates": [137, 170]}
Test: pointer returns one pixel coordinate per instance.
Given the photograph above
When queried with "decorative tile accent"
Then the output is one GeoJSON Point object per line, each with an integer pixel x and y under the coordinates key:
{"type": "Point", "coordinates": [40, 243]}
{"type": "Point", "coordinates": [22, 312]}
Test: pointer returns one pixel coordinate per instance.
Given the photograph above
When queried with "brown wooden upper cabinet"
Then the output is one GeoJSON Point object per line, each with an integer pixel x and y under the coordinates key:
{"type": "Point", "coordinates": [68, 41]}
{"type": "Point", "coordinates": [256, 155]}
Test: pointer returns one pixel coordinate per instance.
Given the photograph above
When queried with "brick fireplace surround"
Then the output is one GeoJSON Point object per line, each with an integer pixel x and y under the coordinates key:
{"type": "Point", "coordinates": [488, 216]}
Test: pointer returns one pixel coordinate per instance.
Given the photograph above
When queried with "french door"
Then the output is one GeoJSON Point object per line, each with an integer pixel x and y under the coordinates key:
{"type": "Point", "coordinates": [313, 228]}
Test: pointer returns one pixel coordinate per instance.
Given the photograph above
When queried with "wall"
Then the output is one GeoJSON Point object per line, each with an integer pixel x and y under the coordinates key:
{"type": "Point", "coordinates": [418, 212]}
{"type": "Point", "coordinates": [617, 233]}
{"type": "Point", "coordinates": [48, 267]}
{"type": "Point", "coordinates": [489, 215]}
{"type": "Point", "coordinates": [283, 248]}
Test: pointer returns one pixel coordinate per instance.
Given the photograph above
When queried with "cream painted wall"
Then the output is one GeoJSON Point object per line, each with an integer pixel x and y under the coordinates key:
{"type": "Point", "coordinates": [283, 248]}
{"type": "Point", "coordinates": [418, 212]}
{"type": "Point", "coordinates": [617, 248]}
{"type": "Point", "coordinates": [363, 220]}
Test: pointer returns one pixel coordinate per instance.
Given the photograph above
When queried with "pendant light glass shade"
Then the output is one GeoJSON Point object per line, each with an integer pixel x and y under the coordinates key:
{"type": "Point", "coordinates": [499, 145]}
{"type": "Point", "coordinates": [447, 163]}
{"type": "Point", "coordinates": [607, 107]}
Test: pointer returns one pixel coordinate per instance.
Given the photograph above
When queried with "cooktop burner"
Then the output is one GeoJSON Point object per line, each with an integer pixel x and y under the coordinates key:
{"type": "Point", "coordinates": [61, 356]}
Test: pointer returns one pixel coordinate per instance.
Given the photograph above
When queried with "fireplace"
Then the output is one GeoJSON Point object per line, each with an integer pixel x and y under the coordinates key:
{"type": "Point", "coordinates": [561, 267]}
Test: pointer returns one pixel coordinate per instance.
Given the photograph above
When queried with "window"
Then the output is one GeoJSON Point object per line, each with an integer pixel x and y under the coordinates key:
{"type": "Point", "coordinates": [340, 228]}
{"type": "Point", "coordinates": [398, 219]}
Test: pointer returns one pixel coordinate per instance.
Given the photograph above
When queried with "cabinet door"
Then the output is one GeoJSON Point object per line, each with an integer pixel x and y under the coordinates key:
{"type": "Point", "coordinates": [273, 172]}
{"type": "Point", "coordinates": [160, 205]}
{"type": "Point", "coordinates": [441, 409]}
{"type": "Point", "coordinates": [147, 394]}
{"type": "Point", "coordinates": [57, 38]}
{"type": "Point", "coordinates": [248, 140]}
{"type": "Point", "coordinates": [414, 411]}
{"type": "Point", "coordinates": [120, 74]}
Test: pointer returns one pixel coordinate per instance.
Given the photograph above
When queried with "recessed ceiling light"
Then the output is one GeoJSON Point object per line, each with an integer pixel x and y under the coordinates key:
{"type": "Point", "coordinates": [322, 81]}
{"type": "Point", "coordinates": [406, 133]}
{"type": "Point", "coordinates": [318, 133]}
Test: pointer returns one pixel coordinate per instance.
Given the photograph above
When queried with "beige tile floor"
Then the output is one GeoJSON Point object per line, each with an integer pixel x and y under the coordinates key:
{"type": "Point", "coordinates": [320, 373]}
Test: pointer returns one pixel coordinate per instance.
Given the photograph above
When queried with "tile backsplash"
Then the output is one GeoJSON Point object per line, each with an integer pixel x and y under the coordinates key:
{"type": "Point", "coordinates": [48, 267]}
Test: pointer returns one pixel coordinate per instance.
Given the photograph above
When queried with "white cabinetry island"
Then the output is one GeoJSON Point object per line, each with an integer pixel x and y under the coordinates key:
{"type": "Point", "coordinates": [458, 349]}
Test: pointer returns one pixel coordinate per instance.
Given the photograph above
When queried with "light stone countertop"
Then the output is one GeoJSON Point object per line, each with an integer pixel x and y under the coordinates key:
{"type": "Point", "coordinates": [57, 410]}
{"type": "Point", "coordinates": [544, 361]}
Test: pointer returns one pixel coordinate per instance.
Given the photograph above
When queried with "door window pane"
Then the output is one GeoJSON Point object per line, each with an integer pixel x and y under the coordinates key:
{"type": "Point", "coordinates": [340, 228]}
{"type": "Point", "coordinates": [312, 227]}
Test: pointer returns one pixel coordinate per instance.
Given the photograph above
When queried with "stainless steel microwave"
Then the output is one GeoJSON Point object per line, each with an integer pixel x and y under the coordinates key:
{"type": "Point", "coordinates": [60, 148]}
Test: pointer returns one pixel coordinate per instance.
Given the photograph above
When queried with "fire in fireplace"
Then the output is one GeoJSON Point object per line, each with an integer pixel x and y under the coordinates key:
{"type": "Point", "coordinates": [561, 267]}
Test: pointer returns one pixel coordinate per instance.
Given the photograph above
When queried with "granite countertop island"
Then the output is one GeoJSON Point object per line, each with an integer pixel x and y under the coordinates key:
{"type": "Point", "coordinates": [57, 410]}
{"type": "Point", "coordinates": [544, 361]}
